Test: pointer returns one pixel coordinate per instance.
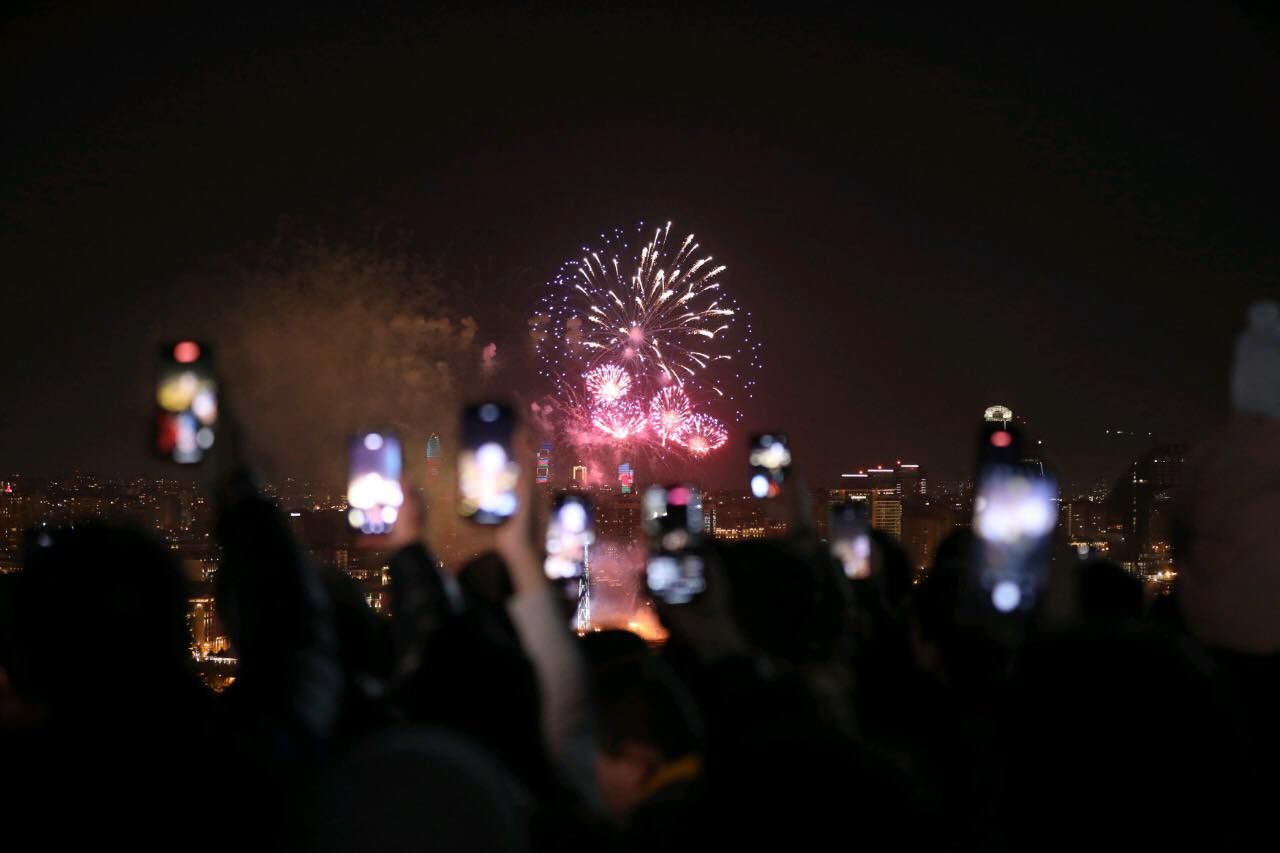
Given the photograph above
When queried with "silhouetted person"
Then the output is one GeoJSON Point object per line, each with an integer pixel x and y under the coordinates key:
{"type": "Point", "coordinates": [1107, 593]}
{"type": "Point", "coordinates": [414, 789]}
{"type": "Point", "coordinates": [649, 756]}
{"type": "Point", "coordinates": [125, 739]}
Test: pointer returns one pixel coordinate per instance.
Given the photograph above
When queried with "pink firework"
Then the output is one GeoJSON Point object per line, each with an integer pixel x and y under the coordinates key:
{"type": "Point", "coordinates": [703, 434]}
{"type": "Point", "coordinates": [619, 418]}
{"type": "Point", "coordinates": [607, 383]}
{"type": "Point", "coordinates": [669, 413]}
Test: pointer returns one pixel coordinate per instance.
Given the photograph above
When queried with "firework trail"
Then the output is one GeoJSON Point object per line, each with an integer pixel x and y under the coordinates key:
{"type": "Point", "coordinates": [619, 418]}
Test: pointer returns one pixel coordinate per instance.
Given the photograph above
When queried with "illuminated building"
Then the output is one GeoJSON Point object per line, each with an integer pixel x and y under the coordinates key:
{"type": "Point", "coordinates": [434, 456]}
{"type": "Point", "coordinates": [618, 519]}
{"type": "Point", "coordinates": [1083, 518]}
{"type": "Point", "coordinates": [1139, 509]}
{"type": "Point", "coordinates": [579, 475]}
{"type": "Point", "coordinates": [733, 515]}
{"type": "Point", "coordinates": [888, 491]}
{"type": "Point", "coordinates": [923, 529]}
{"type": "Point", "coordinates": [206, 639]}
{"type": "Point", "coordinates": [542, 475]}
{"type": "Point", "coordinates": [626, 478]}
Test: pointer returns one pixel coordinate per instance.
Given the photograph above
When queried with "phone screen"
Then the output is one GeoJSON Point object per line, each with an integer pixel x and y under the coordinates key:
{"type": "Point", "coordinates": [570, 534]}
{"type": "Point", "coordinates": [770, 459]}
{"type": "Point", "coordinates": [374, 490]}
{"type": "Point", "coordinates": [851, 540]}
{"type": "Point", "coordinates": [186, 402]}
{"type": "Point", "coordinates": [1015, 511]}
{"type": "Point", "coordinates": [487, 472]}
{"type": "Point", "coordinates": [673, 521]}
{"type": "Point", "coordinates": [675, 578]}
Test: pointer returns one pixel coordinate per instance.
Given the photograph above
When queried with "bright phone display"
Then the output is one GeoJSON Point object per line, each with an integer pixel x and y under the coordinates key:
{"type": "Point", "coordinates": [851, 539]}
{"type": "Point", "coordinates": [375, 492]}
{"type": "Point", "coordinates": [1015, 511]}
{"type": "Point", "coordinates": [570, 534]}
{"type": "Point", "coordinates": [487, 471]}
{"type": "Point", "coordinates": [770, 459]}
{"type": "Point", "coordinates": [186, 402]}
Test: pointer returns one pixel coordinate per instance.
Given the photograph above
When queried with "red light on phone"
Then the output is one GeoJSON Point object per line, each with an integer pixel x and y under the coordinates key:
{"type": "Point", "coordinates": [186, 352]}
{"type": "Point", "coordinates": [1000, 438]}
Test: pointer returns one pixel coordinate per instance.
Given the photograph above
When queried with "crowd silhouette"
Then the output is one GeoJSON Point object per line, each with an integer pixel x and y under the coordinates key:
{"type": "Point", "coordinates": [790, 706]}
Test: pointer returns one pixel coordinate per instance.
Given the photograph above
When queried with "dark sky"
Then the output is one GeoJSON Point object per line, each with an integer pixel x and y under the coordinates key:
{"type": "Point", "coordinates": [927, 210]}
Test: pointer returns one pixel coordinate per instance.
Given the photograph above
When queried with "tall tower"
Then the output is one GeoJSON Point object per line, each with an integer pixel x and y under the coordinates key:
{"type": "Point", "coordinates": [433, 456]}
{"type": "Point", "coordinates": [998, 414]}
{"type": "Point", "coordinates": [582, 620]}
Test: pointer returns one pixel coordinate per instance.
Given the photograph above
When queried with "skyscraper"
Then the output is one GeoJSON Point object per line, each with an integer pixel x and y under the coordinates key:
{"type": "Point", "coordinates": [433, 456]}
{"type": "Point", "coordinates": [1139, 507]}
{"type": "Point", "coordinates": [543, 474]}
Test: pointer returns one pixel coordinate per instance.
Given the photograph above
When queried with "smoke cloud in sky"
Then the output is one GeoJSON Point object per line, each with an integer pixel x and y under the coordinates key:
{"type": "Point", "coordinates": [316, 341]}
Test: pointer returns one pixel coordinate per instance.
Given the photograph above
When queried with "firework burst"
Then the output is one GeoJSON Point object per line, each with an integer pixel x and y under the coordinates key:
{"type": "Point", "coordinates": [621, 419]}
{"type": "Point", "coordinates": [703, 434]}
{"type": "Point", "coordinates": [669, 413]}
{"type": "Point", "coordinates": [607, 383]}
{"type": "Point", "coordinates": [646, 323]}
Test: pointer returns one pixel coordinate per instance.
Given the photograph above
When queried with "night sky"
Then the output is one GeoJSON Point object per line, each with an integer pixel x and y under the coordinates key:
{"type": "Point", "coordinates": [928, 211]}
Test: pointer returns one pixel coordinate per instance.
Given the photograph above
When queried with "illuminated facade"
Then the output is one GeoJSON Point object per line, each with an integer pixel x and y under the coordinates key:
{"type": "Point", "coordinates": [434, 456]}
{"type": "Point", "coordinates": [889, 492]}
{"type": "Point", "coordinates": [542, 475]}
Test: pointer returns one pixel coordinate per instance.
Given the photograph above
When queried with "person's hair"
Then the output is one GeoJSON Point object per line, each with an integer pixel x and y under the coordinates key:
{"type": "Point", "coordinates": [98, 605]}
{"type": "Point", "coordinates": [640, 699]}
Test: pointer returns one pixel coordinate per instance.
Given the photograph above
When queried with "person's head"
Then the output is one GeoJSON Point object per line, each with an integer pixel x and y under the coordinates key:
{"type": "Point", "coordinates": [1139, 717]}
{"type": "Point", "coordinates": [413, 788]}
{"type": "Point", "coordinates": [1227, 542]}
{"type": "Point", "coordinates": [891, 569]}
{"type": "Point", "coordinates": [100, 614]}
{"type": "Point", "coordinates": [775, 593]}
{"type": "Point", "coordinates": [936, 601]}
{"type": "Point", "coordinates": [1108, 592]}
{"type": "Point", "coordinates": [645, 723]}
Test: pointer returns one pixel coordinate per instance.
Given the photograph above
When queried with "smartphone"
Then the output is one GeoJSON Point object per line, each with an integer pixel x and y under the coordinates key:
{"type": "Point", "coordinates": [571, 531]}
{"type": "Point", "coordinates": [487, 469]}
{"type": "Point", "coordinates": [850, 538]}
{"type": "Point", "coordinates": [186, 402]}
{"type": "Point", "coordinates": [770, 460]}
{"type": "Point", "coordinates": [375, 492]}
{"type": "Point", "coordinates": [1015, 511]}
{"type": "Point", "coordinates": [673, 522]}
{"type": "Point", "coordinates": [672, 517]}
{"type": "Point", "coordinates": [676, 578]}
